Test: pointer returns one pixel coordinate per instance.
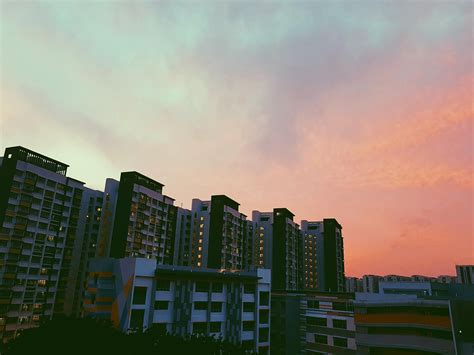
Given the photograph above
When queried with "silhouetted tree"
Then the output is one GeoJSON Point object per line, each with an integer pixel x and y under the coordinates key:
{"type": "Point", "coordinates": [88, 336]}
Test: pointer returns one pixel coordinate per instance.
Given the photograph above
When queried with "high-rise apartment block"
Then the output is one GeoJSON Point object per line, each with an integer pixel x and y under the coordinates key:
{"type": "Point", "coordinates": [144, 219]}
{"type": "Point", "coordinates": [52, 226]}
{"type": "Point", "coordinates": [324, 255]}
{"type": "Point", "coordinates": [277, 241]}
{"type": "Point", "coordinates": [218, 234]}
{"type": "Point", "coordinates": [43, 238]}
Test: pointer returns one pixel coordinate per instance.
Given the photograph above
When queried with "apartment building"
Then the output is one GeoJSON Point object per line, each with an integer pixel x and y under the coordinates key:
{"type": "Point", "coordinates": [465, 274]}
{"type": "Point", "coordinates": [218, 234]}
{"type": "Point", "coordinates": [354, 284]}
{"type": "Point", "coordinates": [137, 294]}
{"type": "Point", "coordinates": [182, 247]}
{"type": "Point", "coordinates": [139, 220]}
{"type": "Point", "coordinates": [94, 202]}
{"type": "Point", "coordinates": [415, 317]}
{"type": "Point", "coordinates": [43, 221]}
{"type": "Point", "coordinates": [312, 322]}
{"type": "Point", "coordinates": [326, 238]}
{"type": "Point", "coordinates": [312, 253]}
{"type": "Point", "coordinates": [276, 246]}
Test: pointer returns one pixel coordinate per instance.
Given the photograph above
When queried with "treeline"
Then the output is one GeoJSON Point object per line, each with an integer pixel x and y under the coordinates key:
{"type": "Point", "coordinates": [88, 336]}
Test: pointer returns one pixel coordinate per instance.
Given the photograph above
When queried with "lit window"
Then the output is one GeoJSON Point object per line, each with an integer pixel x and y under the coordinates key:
{"type": "Point", "coordinates": [201, 225]}
{"type": "Point", "coordinates": [199, 264]}
{"type": "Point", "coordinates": [200, 233]}
{"type": "Point", "coordinates": [199, 256]}
{"type": "Point", "coordinates": [200, 248]}
{"type": "Point", "coordinates": [202, 218]}
{"type": "Point", "coordinates": [200, 240]}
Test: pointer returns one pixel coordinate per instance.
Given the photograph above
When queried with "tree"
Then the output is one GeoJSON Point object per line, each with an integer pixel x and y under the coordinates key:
{"type": "Point", "coordinates": [87, 336]}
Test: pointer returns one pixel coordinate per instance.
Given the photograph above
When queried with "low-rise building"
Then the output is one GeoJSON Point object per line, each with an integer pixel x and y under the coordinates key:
{"type": "Point", "coordinates": [415, 317]}
{"type": "Point", "coordinates": [137, 294]}
{"type": "Point", "coordinates": [312, 322]}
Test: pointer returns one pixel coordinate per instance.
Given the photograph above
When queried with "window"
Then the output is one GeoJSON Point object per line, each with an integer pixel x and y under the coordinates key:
{"type": "Point", "coordinates": [322, 322]}
{"type": "Point", "coordinates": [263, 335]}
{"type": "Point", "coordinates": [163, 285]}
{"type": "Point", "coordinates": [199, 306]}
{"type": "Point", "coordinates": [342, 342]}
{"type": "Point", "coordinates": [320, 339]}
{"type": "Point", "coordinates": [215, 327]}
{"type": "Point", "coordinates": [202, 287]}
{"type": "Point", "coordinates": [339, 323]}
{"type": "Point", "coordinates": [216, 307]}
{"type": "Point", "coordinates": [249, 306]}
{"type": "Point", "coordinates": [313, 304]}
{"type": "Point", "coordinates": [200, 328]}
{"type": "Point", "coordinates": [249, 288]}
{"type": "Point", "coordinates": [248, 326]}
{"type": "Point", "coordinates": [264, 298]}
{"type": "Point", "coordinates": [139, 295]}
{"type": "Point", "coordinates": [217, 286]}
{"type": "Point", "coordinates": [161, 305]}
{"type": "Point", "coordinates": [263, 316]}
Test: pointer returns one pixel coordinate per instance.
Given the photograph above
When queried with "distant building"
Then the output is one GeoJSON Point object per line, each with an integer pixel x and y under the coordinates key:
{"type": "Point", "coordinates": [446, 279]}
{"type": "Point", "coordinates": [465, 274]}
{"type": "Point", "coordinates": [184, 231]}
{"type": "Point", "coordinates": [277, 242]}
{"type": "Point", "coordinates": [137, 294]}
{"type": "Point", "coordinates": [329, 253]}
{"type": "Point", "coordinates": [48, 230]}
{"type": "Point", "coordinates": [218, 234]}
{"type": "Point", "coordinates": [141, 220]}
{"type": "Point", "coordinates": [370, 283]}
{"type": "Point", "coordinates": [312, 264]}
{"type": "Point", "coordinates": [354, 284]}
{"type": "Point", "coordinates": [309, 322]}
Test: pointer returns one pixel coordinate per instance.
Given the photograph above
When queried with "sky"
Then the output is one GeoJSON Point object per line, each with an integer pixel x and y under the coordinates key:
{"type": "Point", "coordinates": [357, 110]}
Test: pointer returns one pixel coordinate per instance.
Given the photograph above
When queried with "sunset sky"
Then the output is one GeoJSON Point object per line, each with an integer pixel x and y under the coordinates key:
{"type": "Point", "coordinates": [356, 110]}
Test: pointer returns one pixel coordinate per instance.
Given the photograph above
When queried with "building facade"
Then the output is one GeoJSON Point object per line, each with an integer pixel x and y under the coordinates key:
{"type": "Point", "coordinates": [43, 232]}
{"type": "Point", "coordinates": [329, 263]}
{"type": "Point", "coordinates": [465, 274]}
{"type": "Point", "coordinates": [312, 322]}
{"type": "Point", "coordinates": [277, 242]}
{"type": "Point", "coordinates": [218, 234]}
{"type": "Point", "coordinates": [402, 324]}
{"type": "Point", "coordinates": [354, 284]}
{"type": "Point", "coordinates": [141, 220]}
{"type": "Point", "coordinates": [137, 294]}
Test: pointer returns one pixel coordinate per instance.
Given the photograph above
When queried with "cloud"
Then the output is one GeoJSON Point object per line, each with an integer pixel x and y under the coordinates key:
{"type": "Point", "coordinates": [313, 105]}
